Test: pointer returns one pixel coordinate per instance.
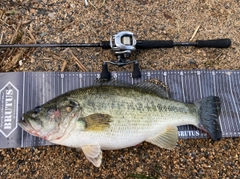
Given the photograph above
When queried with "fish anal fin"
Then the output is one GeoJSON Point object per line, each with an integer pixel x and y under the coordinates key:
{"type": "Point", "coordinates": [156, 87]}
{"type": "Point", "coordinates": [93, 153]}
{"type": "Point", "coordinates": [166, 139]}
{"type": "Point", "coordinates": [96, 122]}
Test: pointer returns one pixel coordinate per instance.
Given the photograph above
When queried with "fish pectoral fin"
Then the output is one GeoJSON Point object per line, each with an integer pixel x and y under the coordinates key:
{"type": "Point", "coordinates": [93, 153]}
{"type": "Point", "coordinates": [166, 139]}
{"type": "Point", "coordinates": [96, 122]}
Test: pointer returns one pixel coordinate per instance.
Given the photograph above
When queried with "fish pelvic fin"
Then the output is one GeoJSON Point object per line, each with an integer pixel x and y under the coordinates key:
{"type": "Point", "coordinates": [209, 109]}
{"type": "Point", "coordinates": [96, 122]}
{"type": "Point", "coordinates": [94, 154]}
{"type": "Point", "coordinates": [167, 139]}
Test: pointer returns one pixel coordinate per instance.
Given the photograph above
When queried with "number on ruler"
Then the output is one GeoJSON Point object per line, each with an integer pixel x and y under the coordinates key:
{"type": "Point", "coordinates": [98, 76]}
{"type": "Point", "coordinates": [148, 75]}
{"type": "Point", "coordinates": [115, 75]}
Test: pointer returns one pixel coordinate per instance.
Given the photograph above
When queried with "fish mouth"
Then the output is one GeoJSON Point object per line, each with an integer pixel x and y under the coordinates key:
{"type": "Point", "coordinates": [24, 123]}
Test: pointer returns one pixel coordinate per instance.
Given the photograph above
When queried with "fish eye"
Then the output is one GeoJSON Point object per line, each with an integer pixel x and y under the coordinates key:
{"type": "Point", "coordinates": [37, 109]}
{"type": "Point", "coordinates": [68, 108]}
{"type": "Point", "coordinates": [72, 103]}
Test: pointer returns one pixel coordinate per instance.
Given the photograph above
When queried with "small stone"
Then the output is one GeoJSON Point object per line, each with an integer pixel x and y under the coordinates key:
{"type": "Point", "coordinates": [51, 15]}
{"type": "Point", "coordinates": [32, 60]}
{"type": "Point", "coordinates": [32, 11]}
{"type": "Point", "coordinates": [49, 67]}
{"type": "Point", "coordinates": [20, 63]}
{"type": "Point", "coordinates": [43, 34]}
{"type": "Point", "coordinates": [139, 170]}
{"type": "Point", "coordinates": [192, 62]}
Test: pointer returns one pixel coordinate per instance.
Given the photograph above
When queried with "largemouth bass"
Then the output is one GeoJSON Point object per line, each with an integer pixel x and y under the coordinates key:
{"type": "Point", "coordinates": [114, 115]}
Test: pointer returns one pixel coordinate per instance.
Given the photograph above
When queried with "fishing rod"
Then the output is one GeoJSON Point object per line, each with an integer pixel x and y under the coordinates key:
{"type": "Point", "coordinates": [123, 43]}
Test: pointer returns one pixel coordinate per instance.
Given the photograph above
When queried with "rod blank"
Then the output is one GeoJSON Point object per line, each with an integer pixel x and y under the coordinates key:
{"type": "Point", "coordinates": [48, 45]}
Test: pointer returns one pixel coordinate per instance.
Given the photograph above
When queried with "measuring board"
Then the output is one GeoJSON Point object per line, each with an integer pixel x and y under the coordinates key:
{"type": "Point", "coordinates": [23, 91]}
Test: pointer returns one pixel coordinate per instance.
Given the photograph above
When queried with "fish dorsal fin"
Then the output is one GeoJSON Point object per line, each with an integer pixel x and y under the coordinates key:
{"type": "Point", "coordinates": [112, 82]}
{"type": "Point", "coordinates": [154, 86]}
{"type": "Point", "coordinates": [166, 139]}
{"type": "Point", "coordinates": [93, 153]}
{"type": "Point", "coordinates": [151, 86]}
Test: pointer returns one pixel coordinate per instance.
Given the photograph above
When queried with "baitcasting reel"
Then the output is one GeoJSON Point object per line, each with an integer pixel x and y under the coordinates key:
{"type": "Point", "coordinates": [122, 44]}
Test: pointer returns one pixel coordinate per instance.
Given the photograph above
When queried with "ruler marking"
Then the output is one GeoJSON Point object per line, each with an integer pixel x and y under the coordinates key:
{"type": "Point", "coordinates": [80, 82]}
{"type": "Point", "coordinates": [28, 136]}
{"type": "Point", "coordinates": [224, 126]}
{"type": "Point", "coordinates": [165, 77]}
{"type": "Point", "coordinates": [182, 85]}
{"type": "Point", "coordinates": [200, 90]}
{"type": "Point", "coordinates": [37, 94]}
{"type": "Point", "coordinates": [199, 83]}
{"type": "Point", "coordinates": [27, 86]}
{"type": "Point", "coordinates": [225, 113]}
{"type": "Point", "coordinates": [229, 105]}
{"type": "Point", "coordinates": [43, 89]}
{"type": "Point", "coordinates": [184, 81]}
{"type": "Point", "coordinates": [237, 96]}
{"type": "Point", "coordinates": [234, 102]}
{"type": "Point", "coordinates": [69, 82]}
{"type": "Point", "coordinates": [62, 76]}
{"type": "Point", "coordinates": [54, 83]}
{"type": "Point", "coordinates": [23, 105]}
{"type": "Point", "coordinates": [191, 85]}
{"type": "Point", "coordinates": [215, 94]}
{"type": "Point", "coordinates": [34, 92]}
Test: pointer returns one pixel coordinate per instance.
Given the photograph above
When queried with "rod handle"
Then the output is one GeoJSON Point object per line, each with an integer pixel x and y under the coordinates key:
{"type": "Point", "coordinates": [217, 43]}
{"type": "Point", "coordinates": [147, 44]}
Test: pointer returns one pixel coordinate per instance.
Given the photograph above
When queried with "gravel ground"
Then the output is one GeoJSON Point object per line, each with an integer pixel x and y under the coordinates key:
{"type": "Point", "coordinates": [69, 21]}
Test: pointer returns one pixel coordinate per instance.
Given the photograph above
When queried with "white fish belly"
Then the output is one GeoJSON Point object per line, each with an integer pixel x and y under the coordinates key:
{"type": "Point", "coordinates": [124, 132]}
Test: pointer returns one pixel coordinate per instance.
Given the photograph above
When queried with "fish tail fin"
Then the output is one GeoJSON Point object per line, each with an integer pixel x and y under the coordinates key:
{"type": "Point", "coordinates": [209, 110]}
